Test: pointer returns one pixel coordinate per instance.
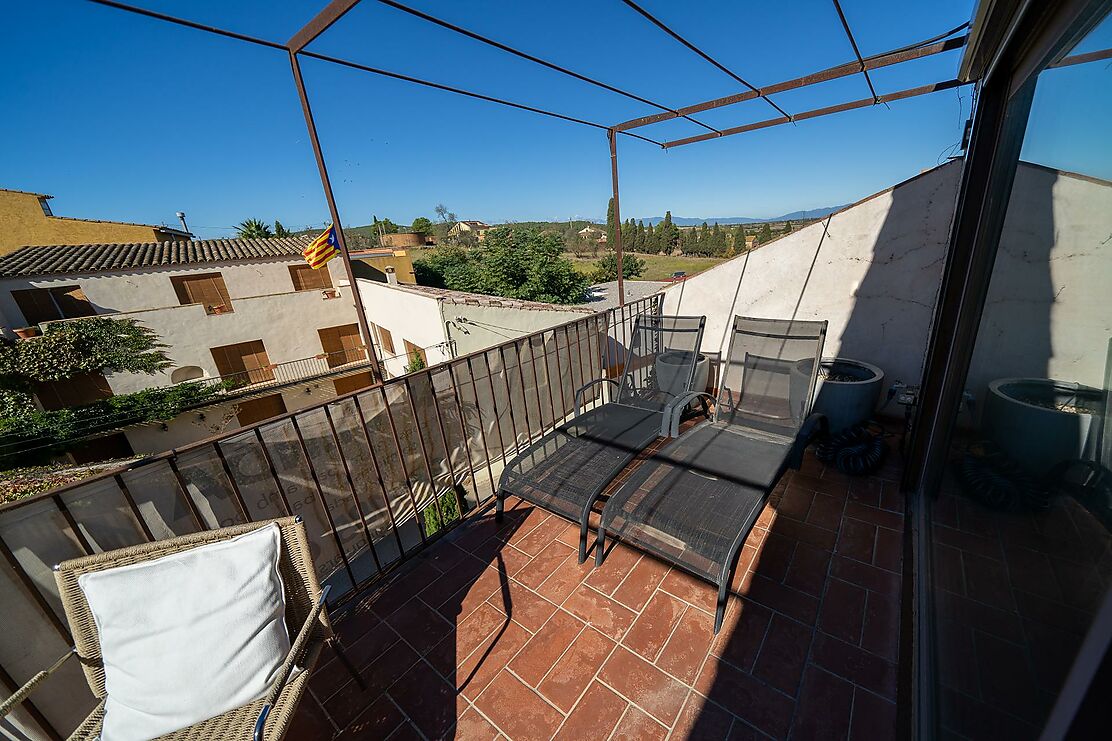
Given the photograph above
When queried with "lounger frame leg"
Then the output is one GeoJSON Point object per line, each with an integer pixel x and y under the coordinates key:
{"type": "Point", "coordinates": [600, 543]}
{"type": "Point", "coordinates": [729, 567]}
{"type": "Point", "coordinates": [584, 525]}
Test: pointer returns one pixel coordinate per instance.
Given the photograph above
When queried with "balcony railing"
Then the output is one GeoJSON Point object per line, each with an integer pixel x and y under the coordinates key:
{"type": "Point", "coordinates": [277, 374]}
{"type": "Point", "coordinates": [376, 475]}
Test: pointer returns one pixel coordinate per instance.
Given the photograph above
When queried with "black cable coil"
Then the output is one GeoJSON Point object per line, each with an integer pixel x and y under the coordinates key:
{"type": "Point", "coordinates": [856, 450]}
{"type": "Point", "coordinates": [990, 477]}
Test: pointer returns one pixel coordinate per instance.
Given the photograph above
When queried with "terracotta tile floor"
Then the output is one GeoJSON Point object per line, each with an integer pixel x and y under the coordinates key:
{"type": "Point", "coordinates": [1015, 594]}
{"type": "Point", "coordinates": [497, 632]}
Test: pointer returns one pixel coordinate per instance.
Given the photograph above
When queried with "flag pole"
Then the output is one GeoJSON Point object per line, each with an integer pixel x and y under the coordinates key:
{"type": "Point", "coordinates": [310, 124]}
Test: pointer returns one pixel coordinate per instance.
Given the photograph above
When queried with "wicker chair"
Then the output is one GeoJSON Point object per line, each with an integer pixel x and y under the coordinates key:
{"type": "Point", "coordinates": [265, 719]}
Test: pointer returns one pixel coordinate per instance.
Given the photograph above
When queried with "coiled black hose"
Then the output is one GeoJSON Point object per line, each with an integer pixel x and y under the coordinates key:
{"type": "Point", "coordinates": [990, 477]}
{"type": "Point", "coordinates": [856, 450]}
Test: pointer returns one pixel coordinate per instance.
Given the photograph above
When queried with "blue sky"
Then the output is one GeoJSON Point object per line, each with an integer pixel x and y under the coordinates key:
{"type": "Point", "coordinates": [121, 117]}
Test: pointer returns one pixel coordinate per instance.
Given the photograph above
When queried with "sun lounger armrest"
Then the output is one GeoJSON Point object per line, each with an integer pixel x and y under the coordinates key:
{"type": "Point", "coordinates": [673, 413]}
{"type": "Point", "coordinates": [813, 427]}
{"type": "Point", "coordinates": [584, 387]}
{"type": "Point", "coordinates": [10, 704]}
{"type": "Point", "coordinates": [296, 654]}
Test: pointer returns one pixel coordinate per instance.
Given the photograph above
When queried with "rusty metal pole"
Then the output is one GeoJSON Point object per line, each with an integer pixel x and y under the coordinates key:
{"type": "Point", "coordinates": [617, 213]}
{"type": "Point", "coordinates": [311, 125]}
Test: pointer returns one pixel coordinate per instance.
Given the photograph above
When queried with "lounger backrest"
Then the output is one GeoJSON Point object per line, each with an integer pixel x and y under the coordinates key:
{"type": "Point", "coordinates": [768, 379]}
{"type": "Point", "coordinates": [661, 358]}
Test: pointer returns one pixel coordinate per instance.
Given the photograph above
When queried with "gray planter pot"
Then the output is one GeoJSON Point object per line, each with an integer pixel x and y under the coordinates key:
{"type": "Point", "coordinates": [846, 392]}
{"type": "Point", "coordinates": [1039, 422]}
{"type": "Point", "coordinates": [671, 369]}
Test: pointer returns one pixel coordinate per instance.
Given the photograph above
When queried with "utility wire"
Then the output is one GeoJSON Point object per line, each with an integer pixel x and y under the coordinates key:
{"type": "Point", "coordinates": [856, 51]}
{"type": "Point", "coordinates": [365, 68]}
{"type": "Point", "coordinates": [536, 60]}
{"type": "Point", "coordinates": [660, 24]}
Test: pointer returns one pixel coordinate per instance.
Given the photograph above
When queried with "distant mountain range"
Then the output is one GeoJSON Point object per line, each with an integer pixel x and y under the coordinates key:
{"type": "Point", "coordinates": [816, 213]}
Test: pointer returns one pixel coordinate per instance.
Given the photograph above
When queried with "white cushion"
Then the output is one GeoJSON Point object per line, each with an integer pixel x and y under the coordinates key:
{"type": "Point", "coordinates": [189, 636]}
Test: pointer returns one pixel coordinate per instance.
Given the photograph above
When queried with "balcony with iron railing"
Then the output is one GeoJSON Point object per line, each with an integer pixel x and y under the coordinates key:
{"type": "Point", "coordinates": [463, 627]}
{"type": "Point", "coordinates": [344, 361]}
{"type": "Point", "coordinates": [379, 477]}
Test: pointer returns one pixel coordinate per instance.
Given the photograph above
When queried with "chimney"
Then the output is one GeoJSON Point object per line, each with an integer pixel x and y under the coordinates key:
{"type": "Point", "coordinates": [391, 275]}
{"type": "Point", "coordinates": [181, 218]}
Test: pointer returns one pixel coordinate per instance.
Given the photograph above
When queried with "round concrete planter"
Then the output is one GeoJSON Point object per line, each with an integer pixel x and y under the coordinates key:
{"type": "Point", "coordinates": [1039, 422]}
{"type": "Point", "coordinates": [672, 368]}
{"type": "Point", "coordinates": [846, 392]}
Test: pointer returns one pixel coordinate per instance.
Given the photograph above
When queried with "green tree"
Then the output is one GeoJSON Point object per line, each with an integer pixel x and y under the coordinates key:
{"type": "Point", "coordinates": [739, 240]}
{"type": "Point", "coordinates": [765, 234]}
{"type": "Point", "coordinates": [416, 363]}
{"type": "Point", "coordinates": [717, 244]}
{"type": "Point", "coordinates": [606, 269]}
{"type": "Point", "coordinates": [254, 229]}
{"type": "Point", "coordinates": [787, 227]}
{"type": "Point", "coordinates": [628, 229]}
{"type": "Point", "coordinates": [513, 262]}
{"type": "Point", "coordinates": [281, 231]}
{"type": "Point", "coordinates": [669, 233]}
{"type": "Point", "coordinates": [421, 225]}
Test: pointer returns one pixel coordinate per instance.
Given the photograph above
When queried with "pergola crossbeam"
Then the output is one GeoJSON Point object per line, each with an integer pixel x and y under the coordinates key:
{"type": "Point", "coordinates": [826, 111]}
{"type": "Point", "coordinates": [832, 73]}
{"type": "Point", "coordinates": [320, 23]}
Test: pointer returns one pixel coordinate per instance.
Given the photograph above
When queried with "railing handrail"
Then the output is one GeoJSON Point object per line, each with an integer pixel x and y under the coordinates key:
{"type": "Point", "coordinates": [197, 444]}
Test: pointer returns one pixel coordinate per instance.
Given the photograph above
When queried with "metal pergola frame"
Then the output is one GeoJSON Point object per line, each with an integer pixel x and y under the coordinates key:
{"type": "Point", "coordinates": [295, 48]}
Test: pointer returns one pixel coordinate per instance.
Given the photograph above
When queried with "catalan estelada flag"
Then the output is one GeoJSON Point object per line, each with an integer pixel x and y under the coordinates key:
{"type": "Point", "coordinates": [322, 249]}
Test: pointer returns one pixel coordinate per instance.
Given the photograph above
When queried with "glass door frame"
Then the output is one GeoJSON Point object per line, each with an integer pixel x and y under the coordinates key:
{"type": "Point", "coordinates": [1012, 42]}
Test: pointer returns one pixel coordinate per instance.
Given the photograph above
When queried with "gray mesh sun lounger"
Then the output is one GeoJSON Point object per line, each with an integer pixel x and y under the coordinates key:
{"type": "Point", "coordinates": [694, 502]}
{"type": "Point", "coordinates": [567, 469]}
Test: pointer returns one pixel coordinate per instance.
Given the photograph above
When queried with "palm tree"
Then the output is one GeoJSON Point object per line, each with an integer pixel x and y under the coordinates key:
{"type": "Point", "coordinates": [281, 231]}
{"type": "Point", "coordinates": [254, 229]}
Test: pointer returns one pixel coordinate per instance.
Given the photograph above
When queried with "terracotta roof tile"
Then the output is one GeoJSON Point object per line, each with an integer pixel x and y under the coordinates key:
{"type": "Point", "coordinates": [95, 258]}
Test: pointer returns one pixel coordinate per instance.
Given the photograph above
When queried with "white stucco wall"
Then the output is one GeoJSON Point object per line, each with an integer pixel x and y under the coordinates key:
{"type": "Point", "coordinates": [448, 328]}
{"type": "Point", "coordinates": [873, 272]}
{"type": "Point", "coordinates": [264, 307]}
{"type": "Point", "coordinates": [408, 316]}
{"type": "Point", "coordinates": [477, 327]}
{"type": "Point", "coordinates": [875, 276]}
{"type": "Point", "coordinates": [1048, 313]}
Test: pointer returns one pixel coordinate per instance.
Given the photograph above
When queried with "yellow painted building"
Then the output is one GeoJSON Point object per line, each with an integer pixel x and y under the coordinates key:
{"type": "Point", "coordinates": [26, 219]}
{"type": "Point", "coordinates": [374, 264]}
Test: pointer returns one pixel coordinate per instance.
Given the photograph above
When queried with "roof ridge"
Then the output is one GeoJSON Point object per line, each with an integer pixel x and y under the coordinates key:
{"type": "Point", "coordinates": [98, 257]}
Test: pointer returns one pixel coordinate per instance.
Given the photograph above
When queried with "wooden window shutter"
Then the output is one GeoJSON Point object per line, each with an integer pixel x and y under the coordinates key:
{"type": "Point", "coordinates": [256, 410]}
{"type": "Point", "coordinates": [72, 302]}
{"type": "Point", "coordinates": [306, 279]}
{"type": "Point", "coordinates": [341, 344]}
{"type": "Point", "coordinates": [36, 305]}
{"type": "Point", "coordinates": [386, 340]}
{"type": "Point", "coordinates": [79, 390]}
{"type": "Point", "coordinates": [246, 362]}
{"type": "Point", "coordinates": [207, 289]}
{"type": "Point", "coordinates": [411, 350]}
{"type": "Point", "coordinates": [354, 382]}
